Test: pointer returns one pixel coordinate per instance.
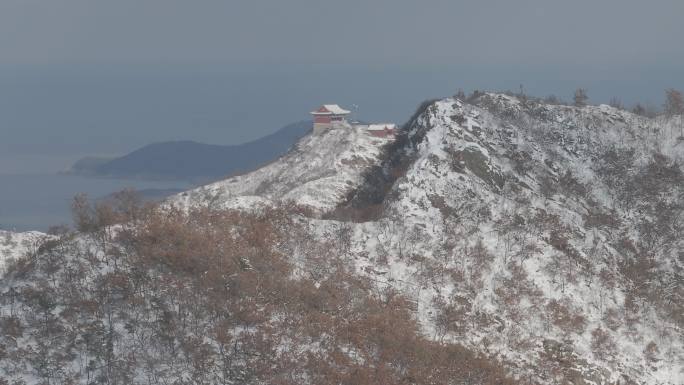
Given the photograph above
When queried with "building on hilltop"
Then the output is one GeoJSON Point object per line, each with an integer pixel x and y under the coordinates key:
{"type": "Point", "coordinates": [329, 116]}
{"type": "Point", "coordinates": [333, 116]}
{"type": "Point", "coordinates": [382, 130]}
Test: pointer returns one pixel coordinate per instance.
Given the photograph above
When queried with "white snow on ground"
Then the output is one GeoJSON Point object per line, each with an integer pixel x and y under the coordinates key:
{"type": "Point", "coordinates": [463, 189]}
{"type": "Point", "coordinates": [15, 245]}
{"type": "Point", "coordinates": [419, 243]}
{"type": "Point", "coordinates": [464, 165]}
{"type": "Point", "coordinates": [318, 173]}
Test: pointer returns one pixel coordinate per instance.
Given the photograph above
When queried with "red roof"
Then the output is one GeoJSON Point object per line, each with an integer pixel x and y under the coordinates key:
{"type": "Point", "coordinates": [330, 109]}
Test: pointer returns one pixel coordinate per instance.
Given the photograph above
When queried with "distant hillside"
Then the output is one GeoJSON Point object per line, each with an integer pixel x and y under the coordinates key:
{"type": "Point", "coordinates": [194, 161]}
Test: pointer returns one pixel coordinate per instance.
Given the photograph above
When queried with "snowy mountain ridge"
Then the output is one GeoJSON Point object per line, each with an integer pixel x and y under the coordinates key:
{"type": "Point", "coordinates": [518, 182]}
{"type": "Point", "coordinates": [547, 238]}
{"type": "Point", "coordinates": [317, 173]}
{"type": "Point", "coordinates": [514, 214]}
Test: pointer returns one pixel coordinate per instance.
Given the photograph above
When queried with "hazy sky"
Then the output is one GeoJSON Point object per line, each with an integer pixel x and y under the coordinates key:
{"type": "Point", "coordinates": [587, 33]}
{"type": "Point", "coordinates": [106, 76]}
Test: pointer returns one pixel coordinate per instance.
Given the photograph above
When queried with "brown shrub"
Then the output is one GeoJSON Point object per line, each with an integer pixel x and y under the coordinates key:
{"type": "Point", "coordinates": [602, 344]}
{"type": "Point", "coordinates": [565, 317]}
{"type": "Point", "coordinates": [11, 326]}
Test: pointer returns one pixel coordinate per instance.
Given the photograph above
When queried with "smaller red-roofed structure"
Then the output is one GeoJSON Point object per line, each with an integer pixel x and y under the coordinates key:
{"type": "Point", "coordinates": [382, 130]}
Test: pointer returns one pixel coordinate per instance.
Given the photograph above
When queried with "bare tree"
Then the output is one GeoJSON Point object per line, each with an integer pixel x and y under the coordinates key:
{"type": "Point", "coordinates": [616, 103]}
{"type": "Point", "coordinates": [674, 102]}
{"type": "Point", "coordinates": [674, 105]}
{"type": "Point", "coordinates": [581, 97]}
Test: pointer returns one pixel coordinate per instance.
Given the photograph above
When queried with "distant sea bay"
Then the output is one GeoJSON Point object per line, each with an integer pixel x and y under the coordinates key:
{"type": "Point", "coordinates": [39, 201]}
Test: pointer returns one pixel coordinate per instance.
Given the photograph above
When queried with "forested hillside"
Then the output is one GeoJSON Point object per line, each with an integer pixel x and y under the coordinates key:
{"type": "Point", "coordinates": [497, 239]}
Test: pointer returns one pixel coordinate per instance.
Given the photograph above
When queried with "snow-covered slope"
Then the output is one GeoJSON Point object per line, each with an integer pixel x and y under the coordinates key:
{"type": "Point", "coordinates": [14, 245]}
{"type": "Point", "coordinates": [546, 237]}
{"type": "Point", "coordinates": [518, 232]}
{"type": "Point", "coordinates": [531, 232]}
{"type": "Point", "coordinates": [317, 173]}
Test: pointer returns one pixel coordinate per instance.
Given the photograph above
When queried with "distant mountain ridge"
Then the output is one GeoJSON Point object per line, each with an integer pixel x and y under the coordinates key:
{"type": "Point", "coordinates": [189, 160]}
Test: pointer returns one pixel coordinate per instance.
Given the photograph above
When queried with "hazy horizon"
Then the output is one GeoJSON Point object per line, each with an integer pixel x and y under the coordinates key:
{"type": "Point", "coordinates": [49, 117]}
{"type": "Point", "coordinates": [82, 78]}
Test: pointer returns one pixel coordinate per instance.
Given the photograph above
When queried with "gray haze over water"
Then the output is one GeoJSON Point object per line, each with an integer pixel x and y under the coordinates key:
{"type": "Point", "coordinates": [96, 77]}
{"type": "Point", "coordinates": [39, 201]}
{"type": "Point", "coordinates": [49, 117]}
{"type": "Point", "coordinates": [100, 77]}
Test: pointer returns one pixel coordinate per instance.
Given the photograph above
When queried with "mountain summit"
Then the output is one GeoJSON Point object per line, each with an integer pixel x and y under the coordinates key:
{"type": "Point", "coordinates": [550, 236]}
{"type": "Point", "coordinates": [318, 172]}
{"type": "Point", "coordinates": [494, 240]}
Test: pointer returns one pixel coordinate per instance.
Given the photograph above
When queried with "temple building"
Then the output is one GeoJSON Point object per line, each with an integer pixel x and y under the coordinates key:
{"type": "Point", "coordinates": [329, 116]}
